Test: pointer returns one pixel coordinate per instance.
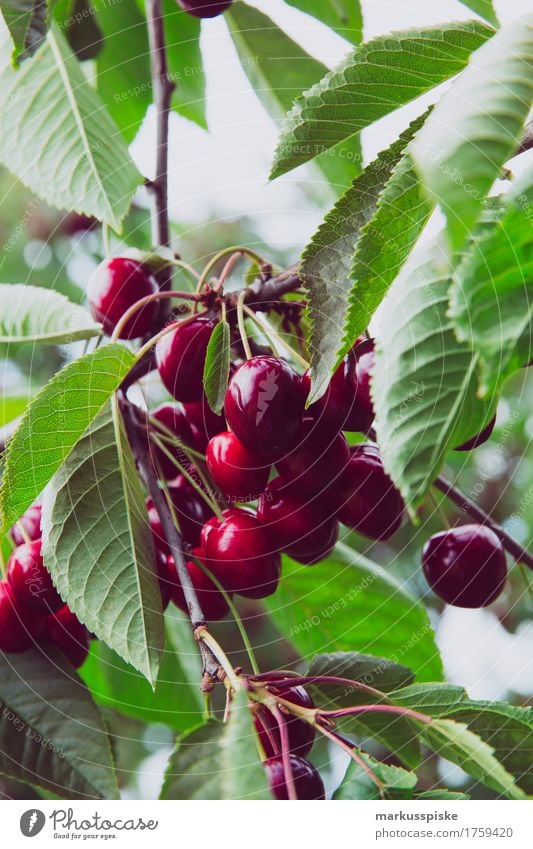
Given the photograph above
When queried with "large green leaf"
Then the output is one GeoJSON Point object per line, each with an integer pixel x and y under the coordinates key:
{"type": "Point", "coordinates": [51, 733]}
{"type": "Point", "coordinates": [217, 365]}
{"type": "Point", "coordinates": [424, 382]}
{"type": "Point", "coordinates": [98, 547]}
{"type": "Point", "coordinates": [484, 8]}
{"type": "Point", "coordinates": [348, 603]}
{"type": "Point", "coordinates": [477, 126]}
{"type": "Point", "coordinates": [54, 421]}
{"type": "Point", "coordinates": [357, 784]}
{"type": "Point", "coordinates": [492, 295]}
{"type": "Point", "coordinates": [343, 16]}
{"type": "Point", "coordinates": [374, 80]}
{"type": "Point", "coordinates": [218, 761]}
{"type": "Point", "coordinates": [32, 314]}
{"type": "Point", "coordinates": [62, 144]}
{"type": "Point", "coordinates": [28, 24]}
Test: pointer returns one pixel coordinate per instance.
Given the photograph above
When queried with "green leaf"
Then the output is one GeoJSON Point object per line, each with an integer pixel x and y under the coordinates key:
{"type": "Point", "coordinates": [98, 547]}
{"type": "Point", "coordinates": [378, 672]}
{"type": "Point", "coordinates": [63, 145]}
{"type": "Point", "coordinates": [185, 62]}
{"type": "Point", "coordinates": [348, 603]}
{"type": "Point", "coordinates": [218, 761]}
{"type": "Point", "coordinates": [477, 127]}
{"type": "Point", "coordinates": [51, 733]}
{"type": "Point", "coordinates": [374, 80]}
{"type": "Point", "coordinates": [27, 21]}
{"type": "Point", "coordinates": [483, 8]}
{"type": "Point", "coordinates": [54, 421]}
{"type": "Point", "coordinates": [424, 382]}
{"type": "Point", "coordinates": [492, 294]}
{"type": "Point", "coordinates": [123, 76]}
{"type": "Point", "coordinates": [216, 367]}
{"type": "Point", "coordinates": [343, 16]}
{"type": "Point", "coordinates": [442, 795]}
{"type": "Point", "coordinates": [365, 220]}
{"type": "Point", "coordinates": [32, 314]}
{"type": "Point", "coordinates": [357, 784]}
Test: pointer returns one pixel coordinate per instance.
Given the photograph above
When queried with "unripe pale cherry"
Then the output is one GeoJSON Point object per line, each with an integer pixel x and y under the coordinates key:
{"type": "Point", "coordinates": [115, 286]}
{"type": "Point", "coordinates": [180, 357]}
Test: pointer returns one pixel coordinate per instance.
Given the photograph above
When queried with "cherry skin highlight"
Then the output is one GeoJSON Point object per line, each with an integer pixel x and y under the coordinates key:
{"type": "Point", "coordinates": [30, 580]}
{"type": "Point", "coordinates": [307, 781]}
{"type": "Point", "coordinates": [479, 439]}
{"type": "Point", "coordinates": [465, 566]}
{"type": "Point", "coordinates": [204, 8]}
{"type": "Point", "coordinates": [368, 500]}
{"type": "Point", "coordinates": [31, 523]}
{"type": "Point", "coordinates": [238, 472]}
{"type": "Point", "coordinates": [115, 286]}
{"type": "Point", "coordinates": [180, 358]}
{"type": "Point", "coordinates": [15, 634]}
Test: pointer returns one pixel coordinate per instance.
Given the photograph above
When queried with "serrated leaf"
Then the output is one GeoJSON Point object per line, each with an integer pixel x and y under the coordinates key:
{"type": "Point", "coordinates": [477, 127]}
{"type": "Point", "coordinates": [51, 733]}
{"type": "Point", "coordinates": [63, 145]}
{"type": "Point", "coordinates": [32, 314]}
{"type": "Point", "coordinates": [483, 8]}
{"type": "Point", "coordinates": [397, 783]}
{"type": "Point", "coordinates": [27, 21]}
{"type": "Point", "coordinates": [378, 672]}
{"type": "Point", "coordinates": [218, 761]}
{"type": "Point", "coordinates": [424, 382]}
{"type": "Point", "coordinates": [328, 268]}
{"type": "Point", "coordinates": [343, 16]}
{"type": "Point", "coordinates": [98, 548]}
{"type": "Point", "coordinates": [491, 299]}
{"type": "Point", "coordinates": [56, 418]}
{"type": "Point", "coordinates": [374, 80]}
{"type": "Point", "coordinates": [216, 366]}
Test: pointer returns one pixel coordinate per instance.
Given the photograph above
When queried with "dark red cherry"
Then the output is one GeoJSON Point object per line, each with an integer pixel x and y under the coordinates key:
{"type": "Point", "coordinates": [214, 605]}
{"type": "Point", "coordinates": [191, 512]}
{"type": "Point", "coordinates": [65, 630]}
{"type": "Point", "coordinates": [301, 733]}
{"type": "Point", "coordinates": [479, 439]}
{"type": "Point", "coordinates": [299, 523]}
{"type": "Point", "coordinates": [465, 566]}
{"type": "Point", "coordinates": [204, 8]}
{"type": "Point", "coordinates": [15, 635]}
{"type": "Point", "coordinates": [180, 358]}
{"type": "Point", "coordinates": [369, 502]}
{"type": "Point", "coordinates": [240, 554]}
{"type": "Point", "coordinates": [306, 778]}
{"type": "Point", "coordinates": [115, 286]}
{"type": "Point", "coordinates": [166, 573]}
{"type": "Point", "coordinates": [31, 523]}
{"type": "Point", "coordinates": [205, 420]}
{"type": "Point", "coordinates": [175, 420]}
{"type": "Point", "coordinates": [240, 474]}
{"type": "Point", "coordinates": [361, 414]}
{"type": "Point", "coordinates": [30, 579]}
{"type": "Point", "coordinates": [317, 460]}
{"type": "Point", "coordinates": [264, 405]}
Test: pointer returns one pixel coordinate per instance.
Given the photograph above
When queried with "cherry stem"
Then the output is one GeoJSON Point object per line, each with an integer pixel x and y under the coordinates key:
{"type": "Point", "coordinates": [142, 302]}
{"type": "Point", "coordinates": [226, 271]}
{"type": "Point", "coordinates": [303, 680]}
{"type": "Point", "coordinates": [203, 636]}
{"type": "Point", "coordinates": [273, 336]}
{"type": "Point", "coordinates": [210, 501]}
{"type": "Point", "coordinates": [155, 339]}
{"type": "Point", "coordinates": [350, 750]}
{"type": "Point", "coordinates": [359, 709]}
{"type": "Point", "coordinates": [242, 326]}
{"type": "Point", "coordinates": [235, 249]}
{"type": "Point", "coordinates": [285, 751]}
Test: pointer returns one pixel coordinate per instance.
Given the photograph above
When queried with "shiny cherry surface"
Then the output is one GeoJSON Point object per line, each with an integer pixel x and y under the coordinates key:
{"type": "Point", "coordinates": [180, 358]}
{"type": "Point", "coordinates": [238, 472]}
{"type": "Point", "coordinates": [368, 500]}
{"type": "Point", "coordinates": [115, 286]}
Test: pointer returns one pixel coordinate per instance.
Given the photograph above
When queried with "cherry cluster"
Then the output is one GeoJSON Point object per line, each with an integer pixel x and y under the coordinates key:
{"type": "Point", "coordinates": [30, 606]}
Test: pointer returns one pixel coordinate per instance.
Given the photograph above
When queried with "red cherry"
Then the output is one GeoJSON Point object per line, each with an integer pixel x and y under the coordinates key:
{"type": "Point", "coordinates": [191, 512]}
{"type": "Point", "coordinates": [318, 459]}
{"type": "Point", "coordinates": [65, 630]}
{"type": "Point", "coordinates": [31, 522]}
{"type": "Point", "coordinates": [31, 581]}
{"type": "Point", "coordinates": [115, 286]}
{"type": "Point", "coordinates": [465, 566]}
{"type": "Point", "coordinates": [361, 414]}
{"type": "Point", "coordinates": [214, 605]}
{"type": "Point", "coordinates": [180, 358]}
{"type": "Point", "coordinates": [301, 733]}
{"type": "Point", "coordinates": [298, 522]}
{"type": "Point", "coordinates": [240, 554]}
{"type": "Point", "coordinates": [205, 8]}
{"type": "Point", "coordinates": [264, 405]}
{"type": "Point", "coordinates": [479, 439]}
{"type": "Point", "coordinates": [369, 501]}
{"type": "Point", "coordinates": [237, 471]}
{"type": "Point", "coordinates": [175, 420]}
{"type": "Point", "coordinates": [15, 635]}
{"type": "Point", "coordinates": [205, 420]}
{"type": "Point", "coordinates": [307, 781]}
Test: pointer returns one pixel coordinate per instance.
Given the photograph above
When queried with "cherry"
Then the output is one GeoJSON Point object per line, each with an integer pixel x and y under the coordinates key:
{"type": "Point", "coordinates": [166, 574]}
{"type": "Point", "coordinates": [14, 633]}
{"type": "Point", "coordinates": [465, 566]}
{"type": "Point", "coordinates": [205, 8]}
{"type": "Point", "coordinates": [361, 414]}
{"type": "Point", "coordinates": [264, 405]}
{"type": "Point", "coordinates": [307, 781]}
{"type": "Point", "coordinates": [479, 439]}
{"type": "Point", "coordinates": [115, 286]}
{"type": "Point", "coordinates": [191, 512]}
{"type": "Point", "coordinates": [240, 554]}
{"type": "Point", "coordinates": [205, 422]}
{"type": "Point", "coordinates": [180, 358]}
{"type": "Point", "coordinates": [235, 469]}
{"type": "Point", "coordinates": [317, 460]}
{"type": "Point", "coordinates": [31, 523]}
{"type": "Point", "coordinates": [301, 733]}
{"type": "Point", "coordinates": [214, 605]}
{"type": "Point", "coordinates": [65, 630]}
{"type": "Point", "coordinates": [30, 580]}
{"type": "Point", "coordinates": [369, 502]}
{"type": "Point", "coordinates": [175, 420]}
{"type": "Point", "coordinates": [298, 522]}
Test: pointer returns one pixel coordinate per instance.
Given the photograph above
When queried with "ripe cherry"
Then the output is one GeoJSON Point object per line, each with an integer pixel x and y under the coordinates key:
{"type": "Point", "coordinates": [465, 566]}
{"type": "Point", "coordinates": [115, 286]}
{"type": "Point", "coordinates": [15, 635]}
{"type": "Point", "coordinates": [174, 419]}
{"type": "Point", "coordinates": [240, 554]}
{"type": "Point", "coordinates": [205, 8]}
{"type": "Point", "coordinates": [214, 605]}
{"type": "Point", "coordinates": [264, 405]}
{"type": "Point", "coordinates": [301, 733]}
{"type": "Point", "coordinates": [369, 502]}
{"type": "Point", "coordinates": [361, 414]}
{"type": "Point", "coordinates": [166, 574]}
{"type": "Point", "coordinates": [479, 439]}
{"type": "Point", "coordinates": [238, 472]}
{"type": "Point", "coordinates": [307, 781]}
{"type": "Point", "coordinates": [65, 630]}
{"type": "Point", "coordinates": [191, 512]}
{"type": "Point", "coordinates": [30, 580]}
{"type": "Point", "coordinates": [180, 358]}
{"type": "Point", "coordinates": [317, 460]}
{"type": "Point", "coordinates": [299, 523]}
{"type": "Point", "coordinates": [208, 423]}
{"type": "Point", "coordinates": [31, 523]}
